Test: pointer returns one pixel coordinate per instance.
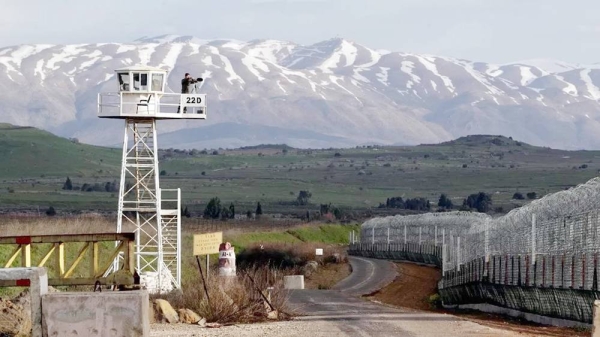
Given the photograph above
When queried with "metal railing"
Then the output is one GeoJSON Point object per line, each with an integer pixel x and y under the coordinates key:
{"type": "Point", "coordinates": [79, 259]}
{"type": "Point", "coordinates": [112, 104]}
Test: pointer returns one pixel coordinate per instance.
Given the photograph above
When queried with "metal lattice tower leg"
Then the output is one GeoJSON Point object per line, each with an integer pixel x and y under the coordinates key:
{"type": "Point", "coordinates": [140, 206]}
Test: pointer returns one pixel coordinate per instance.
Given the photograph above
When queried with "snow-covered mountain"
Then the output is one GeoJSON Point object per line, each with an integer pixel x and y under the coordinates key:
{"type": "Point", "coordinates": [332, 93]}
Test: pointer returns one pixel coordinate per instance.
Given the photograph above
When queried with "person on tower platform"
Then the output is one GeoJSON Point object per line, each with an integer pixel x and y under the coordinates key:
{"type": "Point", "coordinates": [187, 81]}
{"type": "Point", "coordinates": [186, 84]}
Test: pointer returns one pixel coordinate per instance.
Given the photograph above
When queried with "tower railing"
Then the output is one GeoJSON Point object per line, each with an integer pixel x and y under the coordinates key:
{"type": "Point", "coordinates": [167, 105]}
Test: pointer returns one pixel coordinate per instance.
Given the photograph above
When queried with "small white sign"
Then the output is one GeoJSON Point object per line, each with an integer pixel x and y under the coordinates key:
{"type": "Point", "coordinates": [193, 100]}
{"type": "Point", "coordinates": [226, 254]}
{"type": "Point", "coordinates": [319, 251]}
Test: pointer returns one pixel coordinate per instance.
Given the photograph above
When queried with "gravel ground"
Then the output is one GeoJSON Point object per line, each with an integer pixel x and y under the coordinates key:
{"type": "Point", "coordinates": [379, 325]}
{"type": "Point", "coordinates": [341, 313]}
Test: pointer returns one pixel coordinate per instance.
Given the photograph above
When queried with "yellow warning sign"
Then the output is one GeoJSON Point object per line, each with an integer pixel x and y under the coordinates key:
{"type": "Point", "coordinates": [208, 243]}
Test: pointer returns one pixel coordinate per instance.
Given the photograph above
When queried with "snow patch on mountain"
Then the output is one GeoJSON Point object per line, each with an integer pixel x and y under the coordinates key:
{"type": "Point", "coordinates": [171, 58]}
{"type": "Point", "coordinates": [570, 88]}
{"type": "Point", "coordinates": [407, 67]}
{"type": "Point", "coordinates": [526, 75]}
{"type": "Point", "coordinates": [594, 92]}
{"type": "Point", "coordinates": [145, 52]}
{"type": "Point", "coordinates": [429, 63]}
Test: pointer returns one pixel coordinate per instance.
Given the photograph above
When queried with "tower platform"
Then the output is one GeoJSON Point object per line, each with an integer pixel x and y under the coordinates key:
{"type": "Point", "coordinates": [141, 95]}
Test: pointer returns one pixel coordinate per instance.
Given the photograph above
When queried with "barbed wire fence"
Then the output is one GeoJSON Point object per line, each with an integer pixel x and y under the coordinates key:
{"type": "Point", "coordinates": [551, 243]}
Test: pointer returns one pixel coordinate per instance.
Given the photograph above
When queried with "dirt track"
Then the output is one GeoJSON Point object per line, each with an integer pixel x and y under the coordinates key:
{"type": "Point", "coordinates": [414, 284]}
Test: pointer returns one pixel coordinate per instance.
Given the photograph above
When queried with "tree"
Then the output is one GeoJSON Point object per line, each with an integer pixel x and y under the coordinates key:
{"type": "Point", "coordinates": [68, 185]}
{"type": "Point", "coordinates": [337, 213]}
{"type": "Point", "coordinates": [249, 214]}
{"type": "Point", "coordinates": [50, 211]}
{"type": "Point", "coordinates": [303, 197]}
{"type": "Point", "coordinates": [231, 211]}
{"type": "Point", "coordinates": [395, 202]}
{"type": "Point", "coordinates": [213, 209]}
{"type": "Point", "coordinates": [531, 195]}
{"type": "Point", "coordinates": [258, 209]}
{"type": "Point", "coordinates": [480, 201]}
{"type": "Point", "coordinates": [445, 202]}
{"type": "Point", "coordinates": [186, 213]}
{"type": "Point", "coordinates": [417, 204]}
{"type": "Point", "coordinates": [225, 214]}
{"type": "Point", "coordinates": [518, 196]}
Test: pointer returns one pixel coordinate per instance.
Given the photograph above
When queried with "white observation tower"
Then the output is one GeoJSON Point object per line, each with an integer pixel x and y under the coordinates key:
{"type": "Point", "coordinates": [141, 101]}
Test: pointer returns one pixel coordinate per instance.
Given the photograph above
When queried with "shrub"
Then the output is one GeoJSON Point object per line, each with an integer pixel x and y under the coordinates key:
{"type": "Point", "coordinates": [235, 301]}
{"type": "Point", "coordinates": [435, 301]}
{"type": "Point", "coordinates": [531, 195]}
{"type": "Point", "coordinates": [518, 196]}
{"type": "Point", "coordinates": [50, 211]}
{"type": "Point", "coordinates": [303, 197]}
{"type": "Point", "coordinates": [480, 201]}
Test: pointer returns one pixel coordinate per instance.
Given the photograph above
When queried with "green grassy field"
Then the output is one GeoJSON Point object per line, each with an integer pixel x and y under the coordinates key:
{"type": "Point", "coordinates": [246, 234]}
{"type": "Point", "coordinates": [35, 164]}
{"type": "Point", "coordinates": [324, 233]}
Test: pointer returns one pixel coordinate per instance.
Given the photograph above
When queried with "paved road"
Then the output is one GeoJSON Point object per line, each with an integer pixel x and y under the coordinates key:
{"type": "Point", "coordinates": [341, 312]}
{"type": "Point", "coordinates": [368, 276]}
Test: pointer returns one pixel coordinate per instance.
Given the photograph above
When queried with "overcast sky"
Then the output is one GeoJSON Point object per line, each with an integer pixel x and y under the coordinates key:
{"type": "Point", "coordinates": [483, 30]}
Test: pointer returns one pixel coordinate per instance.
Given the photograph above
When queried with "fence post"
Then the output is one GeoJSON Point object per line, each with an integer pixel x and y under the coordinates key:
{"type": "Point", "coordinates": [405, 234]}
{"type": "Point", "coordinates": [388, 235]}
{"type": "Point", "coordinates": [444, 259]}
{"type": "Point", "coordinates": [420, 228]}
{"type": "Point", "coordinates": [435, 239]}
{"type": "Point", "coordinates": [533, 239]}
{"type": "Point", "coordinates": [443, 236]}
{"type": "Point", "coordinates": [373, 235]}
{"type": "Point", "coordinates": [458, 252]}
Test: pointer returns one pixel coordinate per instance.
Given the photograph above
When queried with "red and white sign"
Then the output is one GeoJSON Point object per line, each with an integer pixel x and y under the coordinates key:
{"type": "Point", "coordinates": [226, 260]}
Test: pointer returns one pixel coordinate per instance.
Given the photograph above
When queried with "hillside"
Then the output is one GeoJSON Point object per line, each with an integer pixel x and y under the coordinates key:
{"type": "Point", "coordinates": [30, 152]}
{"type": "Point", "coordinates": [334, 93]}
{"type": "Point", "coordinates": [486, 140]}
{"type": "Point", "coordinates": [354, 179]}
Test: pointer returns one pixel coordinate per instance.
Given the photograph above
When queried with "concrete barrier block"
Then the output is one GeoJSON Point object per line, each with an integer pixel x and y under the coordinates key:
{"type": "Point", "coordinates": [293, 282]}
{"type": "Point", "coordinates": [120, 313]}
{"type": "Point", "coordinates": [37, 280]}
{"type": "Point", "coordinates": [596, 320]}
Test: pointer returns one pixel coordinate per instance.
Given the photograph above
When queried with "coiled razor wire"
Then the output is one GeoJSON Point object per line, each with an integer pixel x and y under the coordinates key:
{"type": "Point", "coordinates": [566, 222]}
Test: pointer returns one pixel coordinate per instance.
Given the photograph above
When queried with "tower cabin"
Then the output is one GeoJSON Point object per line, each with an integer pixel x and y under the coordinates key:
{"type": "Point", "coordinates": [141, 94]}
